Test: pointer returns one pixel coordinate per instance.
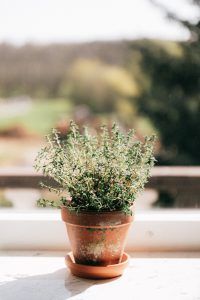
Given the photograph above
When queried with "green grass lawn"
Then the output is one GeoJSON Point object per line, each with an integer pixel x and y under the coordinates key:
{"type": "Point", "coordinates": [41, 117]}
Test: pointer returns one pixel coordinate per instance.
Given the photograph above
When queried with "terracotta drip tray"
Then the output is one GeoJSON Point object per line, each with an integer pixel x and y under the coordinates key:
{"type": "Point", "coordinates": [96, 272]}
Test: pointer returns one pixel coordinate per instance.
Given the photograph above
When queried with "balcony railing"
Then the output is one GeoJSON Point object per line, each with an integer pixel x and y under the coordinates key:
{"type": "Point", "coordinates": [153, 230]}
{"type": "Point", "coordinates": [180, 183]}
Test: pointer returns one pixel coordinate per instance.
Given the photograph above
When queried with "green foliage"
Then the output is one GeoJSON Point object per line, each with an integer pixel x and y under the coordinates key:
{"type": "Point", "coordinates": [170, 91]}
{"type": "Point", "coordinates": [103, 172]}
{"type": "Point", "coordinates": [98, 85]}
{"type": "Point", "coordinates": [172, 101]}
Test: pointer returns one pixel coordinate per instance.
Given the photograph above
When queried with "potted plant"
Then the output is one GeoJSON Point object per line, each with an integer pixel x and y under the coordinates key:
{"type": "Point", "coordinates": [98, 179]}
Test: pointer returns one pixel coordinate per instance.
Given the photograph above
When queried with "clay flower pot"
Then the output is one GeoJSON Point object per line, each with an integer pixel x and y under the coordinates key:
{"type": "Point", "coordinates": [97, 238]}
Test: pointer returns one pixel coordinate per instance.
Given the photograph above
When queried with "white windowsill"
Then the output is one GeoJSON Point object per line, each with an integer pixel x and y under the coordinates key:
{"type": "Point", "coordinates": [159, 230]}
{"type": "Point", "coordinates": [43, 275]}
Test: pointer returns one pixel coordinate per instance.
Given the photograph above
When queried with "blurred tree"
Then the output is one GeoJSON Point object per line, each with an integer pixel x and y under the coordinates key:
{"type": "Point", "coordinates": [171, 94]}
{"type": "Point", "coordinates": [38, 70]}
{"type": "Point", "coordinates": [98, 85]}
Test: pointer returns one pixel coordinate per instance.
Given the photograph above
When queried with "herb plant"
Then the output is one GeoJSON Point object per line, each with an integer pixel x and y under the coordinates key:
{"type": "Point", "coordinates": [103, 172]}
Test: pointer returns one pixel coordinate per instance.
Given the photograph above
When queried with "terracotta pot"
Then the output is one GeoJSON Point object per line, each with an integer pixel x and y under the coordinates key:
{"type": "Point", "coordinates": [97, 238]}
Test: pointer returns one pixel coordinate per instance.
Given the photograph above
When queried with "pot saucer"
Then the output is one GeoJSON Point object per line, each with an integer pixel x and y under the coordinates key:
{"type": "Point", "coordinates": [96, 272]}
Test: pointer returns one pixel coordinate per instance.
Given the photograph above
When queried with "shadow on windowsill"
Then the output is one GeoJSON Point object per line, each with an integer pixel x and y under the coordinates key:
{"type": "Point", "coordinates": [59, 285]}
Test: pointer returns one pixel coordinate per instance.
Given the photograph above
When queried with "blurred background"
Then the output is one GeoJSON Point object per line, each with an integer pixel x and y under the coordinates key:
{"type": "Point", "coordinates": [136, 62]}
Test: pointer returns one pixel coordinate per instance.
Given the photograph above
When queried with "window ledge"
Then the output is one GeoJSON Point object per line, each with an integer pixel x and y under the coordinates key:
{"type": "Point", "coordinates": [167, 230]}
{"type": "Point", "coordinates": [43, 275]}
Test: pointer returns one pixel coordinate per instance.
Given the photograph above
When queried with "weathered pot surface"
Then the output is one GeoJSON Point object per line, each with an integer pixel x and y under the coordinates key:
{"type": "Point", "coordinates": [97, 238]}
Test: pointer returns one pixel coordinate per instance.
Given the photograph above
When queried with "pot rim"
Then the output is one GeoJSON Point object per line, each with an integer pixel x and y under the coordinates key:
{"type": "Point", "coordinates": [95, 212]}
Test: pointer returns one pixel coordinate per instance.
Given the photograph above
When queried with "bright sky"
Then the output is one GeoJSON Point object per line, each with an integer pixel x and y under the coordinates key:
{"type": "Point", "coordinates": [47, 21]}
